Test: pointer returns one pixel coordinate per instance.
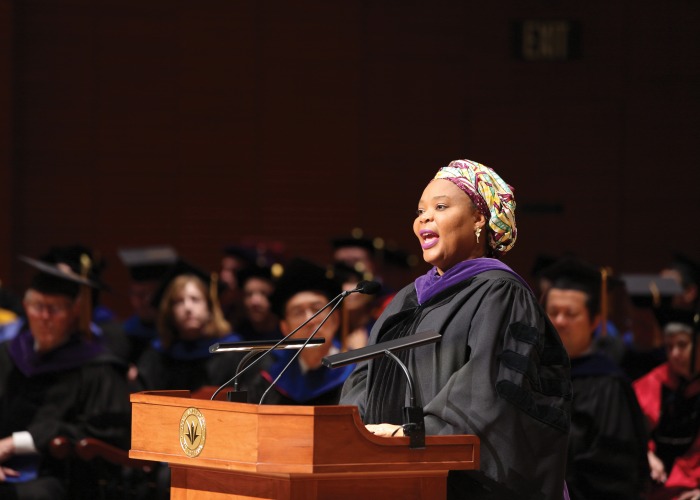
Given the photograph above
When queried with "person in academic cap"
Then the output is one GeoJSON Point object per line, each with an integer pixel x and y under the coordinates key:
{"type": "Point", "coordinates": [259, 321]}
{"type": "Point", "coordinates": [670, 398]}
{"type": "Point", "coordinates": [56, 378]}
{"type": "Point", "coordinates": [302, 290]}
{"type": "Point", "coordinates": [606, 455]}
{"type": "Point", "coordinates": [147, 266]}
{"type": "Point", "coordinates": [499, 372]}
{"type": "Point", "coordinates": [358, 252]}
{"type": "Point", "coordinates": [189, 322]}
{"type": "Point", "coordinates": [686, 272]}
{"type": "Point", "coordinates": [235, 259]}
{"type": "Point", "coordinates": [76, 257]}
{"type": "Point", "coordinates": [357, 311]}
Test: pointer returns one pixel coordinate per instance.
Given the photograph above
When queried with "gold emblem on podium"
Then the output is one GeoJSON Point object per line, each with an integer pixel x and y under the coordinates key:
{"type": "Point", "coordinates": [193, 432]}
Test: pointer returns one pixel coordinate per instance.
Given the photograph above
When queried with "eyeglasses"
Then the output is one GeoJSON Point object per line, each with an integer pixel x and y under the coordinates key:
{"type": "Point", "coordinates": [51, 309]}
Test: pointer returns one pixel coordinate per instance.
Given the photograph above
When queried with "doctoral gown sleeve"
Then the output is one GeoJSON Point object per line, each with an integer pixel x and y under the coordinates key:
{"type": "Point", "coordinates": [92, 401]}
{"type": "Point", "coordinates": [502, 375]}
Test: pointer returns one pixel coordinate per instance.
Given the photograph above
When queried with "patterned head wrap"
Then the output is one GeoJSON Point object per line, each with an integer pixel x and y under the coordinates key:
{"type": "Point", "coordinates": [492, 197]}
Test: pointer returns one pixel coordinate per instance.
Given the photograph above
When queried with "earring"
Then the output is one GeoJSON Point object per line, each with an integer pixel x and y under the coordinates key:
{"type": "Point", "coordinates": [478, 233]}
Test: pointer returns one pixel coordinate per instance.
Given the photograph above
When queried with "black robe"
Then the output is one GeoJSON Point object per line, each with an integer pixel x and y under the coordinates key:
{"type": "Point", "coordinates": [500, 372]}
{"type": "Point", "coordinates": [88, 400]}
{"type": "Point", "coordinates": [607, 446]}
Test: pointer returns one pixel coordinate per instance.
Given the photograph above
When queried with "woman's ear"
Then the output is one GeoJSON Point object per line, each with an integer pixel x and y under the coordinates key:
{"type": "Point", "coordinates": [480, 220]}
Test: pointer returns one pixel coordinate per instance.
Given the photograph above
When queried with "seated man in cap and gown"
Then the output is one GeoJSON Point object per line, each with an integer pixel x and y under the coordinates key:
{"type": "Point", "coordinates": [300, 292]}
{"type": "Point", "coordinates": [606, 455]}
{"type": "Point", "coordinates": [189, 322]}
{"type": "Point", "coordinates": [56, 378]}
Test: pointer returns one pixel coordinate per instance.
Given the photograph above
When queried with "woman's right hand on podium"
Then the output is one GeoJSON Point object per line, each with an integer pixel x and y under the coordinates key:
{"type": "Point", "coordinates": [385, 430]}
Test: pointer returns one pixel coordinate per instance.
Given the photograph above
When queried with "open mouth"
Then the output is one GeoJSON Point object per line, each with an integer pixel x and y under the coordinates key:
{"type": "Point", "coordinates": [428, 239]}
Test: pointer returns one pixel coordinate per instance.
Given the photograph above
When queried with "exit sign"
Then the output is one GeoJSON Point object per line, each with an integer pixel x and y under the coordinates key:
{"type": "Point", "coordinates": [546, 40]}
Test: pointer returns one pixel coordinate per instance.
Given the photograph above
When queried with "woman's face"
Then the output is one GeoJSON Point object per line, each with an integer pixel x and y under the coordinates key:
{"type": "Point", "coordinates": [256, 299]}
{"type": "Point", "coordinates": [446, 224]}
{"type": "Point", "coordinates": [678, 350]}
{"type": "Point", "coordinates": [190, 311]}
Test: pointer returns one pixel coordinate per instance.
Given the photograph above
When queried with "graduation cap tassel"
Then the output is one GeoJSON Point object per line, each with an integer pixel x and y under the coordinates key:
{"type": "Point", "coordinates": [85, 298]}
{"type": "Point", "coordinates": [214, 294]}
{"type": "Point", "coordinates": [603, 301]}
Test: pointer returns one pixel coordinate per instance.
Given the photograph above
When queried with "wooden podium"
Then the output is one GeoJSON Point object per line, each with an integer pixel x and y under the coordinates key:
{"type": "Point", "coordinates": [218, 449]}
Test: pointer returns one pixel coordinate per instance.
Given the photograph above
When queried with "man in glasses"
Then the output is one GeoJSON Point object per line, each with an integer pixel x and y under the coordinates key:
{"type": "Point", "coordinates": [56, 378]}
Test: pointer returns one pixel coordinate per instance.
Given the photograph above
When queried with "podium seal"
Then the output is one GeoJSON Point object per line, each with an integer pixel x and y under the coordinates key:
{"type": "Point", "coordinates": [193, 432]}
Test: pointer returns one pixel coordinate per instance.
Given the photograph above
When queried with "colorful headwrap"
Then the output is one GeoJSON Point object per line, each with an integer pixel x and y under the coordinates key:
{"type": "Point", "coordinates": [492, 197]}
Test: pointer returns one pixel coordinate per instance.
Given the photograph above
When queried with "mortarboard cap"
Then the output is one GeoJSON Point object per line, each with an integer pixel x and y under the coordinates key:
{"type": "Point", "coordinates": [301, 276]}
{"type": "Point", "coordinates": [687, 268]}
{"type": "Point", "coordinates": [57, 278]}
{"type": "Point", "coordinates": [342, 273]}
{"type": "Point", "coordinates": [80, 259]}
{"type": "Point", "coordinates": [400, 259]}
{"type": "Point", "coordinates": [245, 253]}
{"type": "Point", "coordinates": [358, 239]}
{"type": "Point", "coordinates": [182, 268]}
{"type": "Point", "coordinates": [148, 263]}
{"type": "Point", "coordinates": [651, 290]}
{"type": "Point", "coordinates": [571, 273]}
{"type": "Point", "coordinates": [255, 271]}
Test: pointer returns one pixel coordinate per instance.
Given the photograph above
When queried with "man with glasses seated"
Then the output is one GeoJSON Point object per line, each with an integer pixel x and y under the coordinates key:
{"type": "Point", "coordinates": [56, 378]}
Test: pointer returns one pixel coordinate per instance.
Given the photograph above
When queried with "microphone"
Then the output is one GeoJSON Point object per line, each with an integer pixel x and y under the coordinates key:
{"type": "Point", "coordinates": [367, 287]}
{"type": "Point", "coordinates": [253, 348]}
{"type": "Point", "coordinates": [414, 422]}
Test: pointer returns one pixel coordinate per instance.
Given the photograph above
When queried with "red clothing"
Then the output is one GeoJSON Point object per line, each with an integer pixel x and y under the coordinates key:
{"type": "Point", "coordinates": [685, 473]}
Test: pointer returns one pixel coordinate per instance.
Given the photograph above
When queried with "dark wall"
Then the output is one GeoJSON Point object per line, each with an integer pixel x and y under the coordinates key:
{"type": "Point", "coordinates": [199, 123]}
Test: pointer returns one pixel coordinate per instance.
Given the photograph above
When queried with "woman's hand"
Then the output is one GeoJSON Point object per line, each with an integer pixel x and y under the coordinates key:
{"type": "Point", "coordinates": [385, 430]}
{"type": "Point", "coordinates": [7, 448]}
{"type": "Point", "coordinates": [6, 472]}
{"type": "Point", "coordinates": [690, 495]}
{"type": "Point", "coordinates": [658, 473]}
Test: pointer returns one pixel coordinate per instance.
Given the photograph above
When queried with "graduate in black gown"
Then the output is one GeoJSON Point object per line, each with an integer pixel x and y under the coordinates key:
{"type": "Point", "coordinates": [189, 322]}
{"type": "Point", "coordinates": [301, 291]}
{"type": "Point", "coordinates": [500, 371]}
{"type": "Point", "coordinates": [607, 443]}
{"type": "Point", "coordinates": [56, 378]}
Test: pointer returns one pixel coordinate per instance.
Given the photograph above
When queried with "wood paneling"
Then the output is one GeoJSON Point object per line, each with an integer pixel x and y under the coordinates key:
{"type": "Point", "coordinates": [198, 125]}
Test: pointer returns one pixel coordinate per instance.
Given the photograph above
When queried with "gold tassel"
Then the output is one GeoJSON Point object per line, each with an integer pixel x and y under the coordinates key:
{"type": "Point", "coordinates": [85, 298]}
{"type": "Point", "coordinates": [604, 301]}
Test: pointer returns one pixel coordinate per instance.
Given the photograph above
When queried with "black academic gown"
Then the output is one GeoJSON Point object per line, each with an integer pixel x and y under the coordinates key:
{"type": "Point", "coordinates": [88, 400]}
{"type": "Point", "coordinates": [187, 367]}
{"type": "Point", "coordinates": [607, 447]}
{"type": "Point", "coordinates": [500, 372]}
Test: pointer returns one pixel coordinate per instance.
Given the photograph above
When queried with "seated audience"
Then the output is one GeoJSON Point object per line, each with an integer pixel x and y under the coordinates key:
{"type": "Point", "coordinates": [56, 378]}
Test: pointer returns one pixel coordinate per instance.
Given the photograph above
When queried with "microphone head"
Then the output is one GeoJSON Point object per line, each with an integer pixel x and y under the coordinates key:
{"type": "Point", "coordinates": [368, 287]}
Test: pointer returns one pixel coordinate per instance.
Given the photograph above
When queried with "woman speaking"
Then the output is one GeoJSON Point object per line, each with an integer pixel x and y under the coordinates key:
{"type": "Point", "coordinates": [500, 371]}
